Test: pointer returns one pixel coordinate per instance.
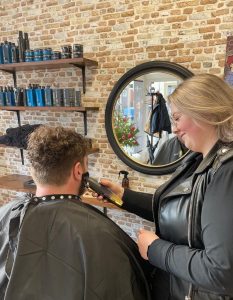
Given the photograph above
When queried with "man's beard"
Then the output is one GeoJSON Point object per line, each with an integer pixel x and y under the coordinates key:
{"type": "Point", "coordinates": [83, 184]}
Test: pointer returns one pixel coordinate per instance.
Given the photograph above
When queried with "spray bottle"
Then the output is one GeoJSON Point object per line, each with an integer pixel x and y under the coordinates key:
{"type": "Point", "coordinates": [125, 180]}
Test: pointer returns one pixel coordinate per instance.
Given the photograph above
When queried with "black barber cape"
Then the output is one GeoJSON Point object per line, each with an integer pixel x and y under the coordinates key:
{"type": "Point", "coordinates": [68, 250]}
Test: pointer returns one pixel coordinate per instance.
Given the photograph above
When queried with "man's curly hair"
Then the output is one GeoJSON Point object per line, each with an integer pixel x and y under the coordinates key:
{"type": "Point", "coordinates": [52, 152]}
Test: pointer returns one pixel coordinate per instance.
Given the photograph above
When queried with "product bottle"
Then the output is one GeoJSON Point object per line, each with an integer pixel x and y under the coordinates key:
{"type": "Point", "coordinates": [12, 95]}
{"type": "Point", "coordinates": [8, 95]}
{"type": "Point", "coordinates": [18, 92]}
{"type": "Point", "coordinates": [1, 54]}
{"type": "Point", "coordinates": [31, 96]}
{"type": "Point", "coordinates": [9, 92]}
{"type": "Point", "coordinates": [48, 96]}
{"type": "Point", "coordinates": [125, 180]}
{"type": "Point", "coordinates": [5, 90]}
{"type": "Point", "coordinates": [40, 96]}
{"type": "Point", "coordinates": [2, 97]}
{"type": "Point", "coordinates": [21, 46]}
{"type": "Point", "coordinates": [25, 102]}
{"type": "Point", "coordinates": [13, 53]}
{"type": "Point", "coordinates": [26, 41]}
{"type": "Point", "coordinates": [5, 51]}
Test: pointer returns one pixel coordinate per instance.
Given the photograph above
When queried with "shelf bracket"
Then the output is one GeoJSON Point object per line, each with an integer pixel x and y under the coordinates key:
{"type": "Point", "coordinates": [18, 117]}
{"type": "Point", "coordinates": [83, 76]}
{"type": "Point", "coordinates": [14, 78]}
{"type": "Point", "coordinates": [85, 122]}
{"type": "Point", "coordinates": [84, 79]}
{"type": "Point", "coordinates": [22, 156]}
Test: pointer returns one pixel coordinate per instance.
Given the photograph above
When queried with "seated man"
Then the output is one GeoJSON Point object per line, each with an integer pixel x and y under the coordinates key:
{"type": "Point", "coordinates": [65, 249]}
{"type": "Point", "coordinates": [170, 151]}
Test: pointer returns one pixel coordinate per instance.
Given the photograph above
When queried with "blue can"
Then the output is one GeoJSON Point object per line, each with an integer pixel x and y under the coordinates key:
{"type": "Point", "coordinates": [46, 57]}
{"type": "Point", "coordinates": [56, 55]}
{"type": "Point", "coordinates": [47, 51]}
{"type": "Point", "coordinates": [38, 55]}
{"type": "Point", "coordinates": [38, 52]}
{"type": "Point", "coordinates": [29, 55]}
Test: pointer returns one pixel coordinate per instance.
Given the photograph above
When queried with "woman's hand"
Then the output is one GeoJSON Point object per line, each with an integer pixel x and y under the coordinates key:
{"type": "Point", "coordinates": [145, 238]}
{"type": "Point", "coordinates": [114, 187]}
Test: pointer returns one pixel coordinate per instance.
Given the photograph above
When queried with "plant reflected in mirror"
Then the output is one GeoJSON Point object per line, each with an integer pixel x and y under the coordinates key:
{"type": "Point", "coordinates": [125, 130]}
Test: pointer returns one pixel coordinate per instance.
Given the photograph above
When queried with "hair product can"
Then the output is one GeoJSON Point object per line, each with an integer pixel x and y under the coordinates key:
{"type": "Point", "coordinates": [77, 51]}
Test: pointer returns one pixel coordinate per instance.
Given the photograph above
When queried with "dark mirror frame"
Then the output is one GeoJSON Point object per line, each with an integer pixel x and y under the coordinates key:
{"type": "Point", "coordinates": [129, 76]}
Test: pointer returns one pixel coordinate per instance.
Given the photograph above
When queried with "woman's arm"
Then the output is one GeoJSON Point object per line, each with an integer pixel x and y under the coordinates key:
{"type": "Point", "coordinates": [211, 268]}
{"type": "Point", "coordinates": [134, 202]}
{"type": "Point", "coordinates": [138, 203]}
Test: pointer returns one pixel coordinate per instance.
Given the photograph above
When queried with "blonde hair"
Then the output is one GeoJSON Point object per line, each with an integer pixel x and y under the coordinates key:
{"type": "Point", "coordinates": [209, 99]}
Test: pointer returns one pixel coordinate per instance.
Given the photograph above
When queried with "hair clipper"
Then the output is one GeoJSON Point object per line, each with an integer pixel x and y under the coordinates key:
{"type": "Point", "coordinates": [104, 191]}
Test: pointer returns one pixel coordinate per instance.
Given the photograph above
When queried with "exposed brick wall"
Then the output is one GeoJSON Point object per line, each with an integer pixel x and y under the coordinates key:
{"type": "Point", "coordinates": [119, 35]}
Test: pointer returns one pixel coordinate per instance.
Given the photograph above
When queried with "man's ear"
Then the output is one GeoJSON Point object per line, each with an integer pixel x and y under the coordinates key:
{"type": "Point", "coordinates": [77, 171]}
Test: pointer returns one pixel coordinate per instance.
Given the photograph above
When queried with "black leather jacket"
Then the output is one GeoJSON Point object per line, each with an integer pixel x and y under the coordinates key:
{"type": "Point", "coordinates": [193, 217]}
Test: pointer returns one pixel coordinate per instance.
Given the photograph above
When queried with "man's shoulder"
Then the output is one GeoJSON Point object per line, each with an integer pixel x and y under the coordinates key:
{"type": "Point", "coordinates": [71, 210]}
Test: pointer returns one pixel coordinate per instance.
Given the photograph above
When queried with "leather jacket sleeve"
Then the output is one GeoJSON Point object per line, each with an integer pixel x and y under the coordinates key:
{"type": "Point", "coordinates": [138, 203]}
{"type": "Point", "coordinates": [211, 267]}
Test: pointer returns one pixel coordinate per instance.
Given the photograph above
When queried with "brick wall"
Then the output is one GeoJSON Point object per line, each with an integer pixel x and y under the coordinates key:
{"type": "Point", "coordinates": [119, 35]}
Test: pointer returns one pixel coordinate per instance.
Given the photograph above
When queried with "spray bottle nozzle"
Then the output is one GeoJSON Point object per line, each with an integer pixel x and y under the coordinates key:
{"type": "Point", "coordinates": [125, 173]}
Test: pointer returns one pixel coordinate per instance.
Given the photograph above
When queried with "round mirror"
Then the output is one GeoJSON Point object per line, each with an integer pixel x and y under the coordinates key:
{"type": "Point", "coordinates": [137, 118]}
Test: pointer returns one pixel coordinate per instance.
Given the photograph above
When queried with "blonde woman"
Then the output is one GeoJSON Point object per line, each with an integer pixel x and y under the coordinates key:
{"type": "Point", "coordinates": [192, 247]}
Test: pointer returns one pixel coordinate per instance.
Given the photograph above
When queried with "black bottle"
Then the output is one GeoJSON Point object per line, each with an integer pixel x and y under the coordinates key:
{"type": "Point", "coordinates": [26, 41]}
{"type": "Point", "coordinates": [25, 103]}
{"type": "Point", "coordinates": [21, 46]}
{"type": "Point", "coordinates": [125, 180]}
{"type": "Point", "coordinates": [18, 96]}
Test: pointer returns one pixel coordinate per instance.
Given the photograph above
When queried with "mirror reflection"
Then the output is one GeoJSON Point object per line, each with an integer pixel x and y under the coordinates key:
{"type": "Point", "coordinates": [142, 122]}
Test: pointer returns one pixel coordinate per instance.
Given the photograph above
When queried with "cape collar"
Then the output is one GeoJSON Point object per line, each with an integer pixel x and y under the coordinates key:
{"type": "Point", "coordinates": [46, 198]}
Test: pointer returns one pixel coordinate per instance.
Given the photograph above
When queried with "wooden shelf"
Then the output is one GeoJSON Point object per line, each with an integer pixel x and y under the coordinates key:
{"type": "Point", "coordinates": [49, 108]}
{"type": "Point", "coordinates": [93, 150]}
{"type": "Point", "coordinates": [16, 182]}
{"type": "Point", "coordinates": [4, 146]}
{"type": "Point", "coordinates": [48, 64]}
{"type": "Point", "coordinates": [90, 151]}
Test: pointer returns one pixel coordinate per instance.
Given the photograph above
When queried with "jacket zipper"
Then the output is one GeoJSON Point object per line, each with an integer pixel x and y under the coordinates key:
{"type": "Point", "coordinates": [190, 230]}
{"type": "Point", "coordinates": [153, 211]}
